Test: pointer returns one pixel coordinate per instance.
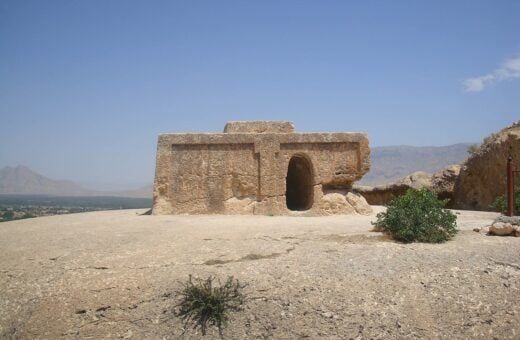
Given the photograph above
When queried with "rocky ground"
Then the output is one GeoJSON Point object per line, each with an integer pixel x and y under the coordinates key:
{"type": "Point", "coordinates": [116, 273]}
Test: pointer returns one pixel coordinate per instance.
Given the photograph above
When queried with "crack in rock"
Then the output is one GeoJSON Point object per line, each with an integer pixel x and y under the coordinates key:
{"type": "Point", "coordinates": [248, 257]}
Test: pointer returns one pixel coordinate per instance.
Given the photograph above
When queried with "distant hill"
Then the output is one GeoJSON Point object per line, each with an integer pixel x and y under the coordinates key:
{"type": "Point", "coordinates": [390, 163]}
{"type": "Point", "coordinates": [21, 180]}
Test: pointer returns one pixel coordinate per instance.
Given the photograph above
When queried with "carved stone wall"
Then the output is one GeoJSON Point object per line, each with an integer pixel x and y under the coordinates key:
{"type": "Point", "coordinates": [240, 172]}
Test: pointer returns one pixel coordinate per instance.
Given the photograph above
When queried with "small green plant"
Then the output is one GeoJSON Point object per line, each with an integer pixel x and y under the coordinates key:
{"type": "Point", "coordinates": [490, 138]}
{"type": "Point", "coordinates": [500, 203]}
{"type": "Point", "coordinates": [27, 215]}
{"type": "Point", "coordinates": [203, 302]}
{"type": "Point", "coordinates": [417, 216]}
{"type": "Point", "coordinates": [8, 215]}
{"type": "Point", "coordinates": [473, 148]}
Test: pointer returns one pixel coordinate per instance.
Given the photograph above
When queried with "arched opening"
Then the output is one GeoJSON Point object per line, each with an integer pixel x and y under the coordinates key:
{"type": "Point", "coordinates": [299, 189]}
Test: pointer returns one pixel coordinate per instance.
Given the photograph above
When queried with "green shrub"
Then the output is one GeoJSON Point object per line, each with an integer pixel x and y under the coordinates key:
{"type": "Point", "coordinates": [417, 216]}
{"type": "Point", "coordinates": [8, 215]}
{"type": "Point", "coordinates": [500, 203]}
{"type": "Point", "coordinates": [472, 148]}
{"type": "Point", "coordinates": [204, 303]}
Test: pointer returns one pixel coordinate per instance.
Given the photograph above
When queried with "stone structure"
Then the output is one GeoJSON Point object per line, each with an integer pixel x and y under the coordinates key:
{"type": "Point", "coordinates": [260, 168]}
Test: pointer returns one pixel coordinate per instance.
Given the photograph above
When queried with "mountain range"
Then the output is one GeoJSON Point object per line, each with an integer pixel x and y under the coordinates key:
{"type": "Point", "coordinates": [388, 163]}
{"type": "Point", "coordinates": [21, 180]}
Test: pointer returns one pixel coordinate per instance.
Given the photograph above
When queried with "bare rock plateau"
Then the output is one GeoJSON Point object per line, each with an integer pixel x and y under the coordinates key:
{"type": "Point", "coordinates": [116, 274]}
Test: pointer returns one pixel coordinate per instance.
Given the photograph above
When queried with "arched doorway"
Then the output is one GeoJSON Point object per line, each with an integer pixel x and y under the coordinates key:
{"type": "Point", "coordinates": [299, 188]}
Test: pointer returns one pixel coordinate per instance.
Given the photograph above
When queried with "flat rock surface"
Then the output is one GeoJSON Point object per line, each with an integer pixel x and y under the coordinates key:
{"type": "Point", "coordinates": [116, 274]}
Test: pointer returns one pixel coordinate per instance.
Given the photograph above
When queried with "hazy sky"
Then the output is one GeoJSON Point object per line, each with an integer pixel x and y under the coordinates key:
{"type": "Point", "coordinates": [87, 86]}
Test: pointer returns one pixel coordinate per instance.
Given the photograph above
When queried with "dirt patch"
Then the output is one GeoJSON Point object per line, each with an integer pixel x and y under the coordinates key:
{"type": "Point", "coordinates": [359, 239]}
{"type": "Point", "coordinates": [248, 257]}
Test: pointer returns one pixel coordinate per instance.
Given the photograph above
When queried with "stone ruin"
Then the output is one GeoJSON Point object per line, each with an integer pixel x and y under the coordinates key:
{"type": "Point", "coordinates": [260, 167]}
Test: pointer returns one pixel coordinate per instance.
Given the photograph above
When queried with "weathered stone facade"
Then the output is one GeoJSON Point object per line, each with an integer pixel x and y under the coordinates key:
{"type": "Point", "coordinates": [260, 168]}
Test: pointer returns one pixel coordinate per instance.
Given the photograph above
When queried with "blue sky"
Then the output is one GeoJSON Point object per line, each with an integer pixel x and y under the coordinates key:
{"type": "Point", "coordinates": [86, 86]}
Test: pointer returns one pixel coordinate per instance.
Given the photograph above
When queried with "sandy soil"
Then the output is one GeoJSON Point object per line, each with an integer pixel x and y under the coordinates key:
{"type": "Point", "coordinates": [115, 274]}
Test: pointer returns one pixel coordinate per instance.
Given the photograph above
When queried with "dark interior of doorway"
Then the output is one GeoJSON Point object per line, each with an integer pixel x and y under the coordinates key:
{"type": "Point", "coordinates": [299, 184]}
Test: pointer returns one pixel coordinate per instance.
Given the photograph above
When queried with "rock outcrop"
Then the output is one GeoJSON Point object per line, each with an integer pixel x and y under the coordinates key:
{"type": "Point", "coordinates": [474, 185]}
{"type": "Point", "coordinates": [483, 176]}
{"type": "Point", "coordinates": [502, 226]}
{"type": "Point", "coordinates": [388, 164]}
{"type": "Point", "coordinates": [343, 202]}
{"type": "Point", "coordinates": [382, 194]}
{"type": "Point", "coordinates": [441, 182]}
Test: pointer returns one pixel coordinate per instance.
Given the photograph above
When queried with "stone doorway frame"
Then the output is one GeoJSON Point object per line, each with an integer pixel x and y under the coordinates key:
{"type": "Point", "coordinates": [299, 183]}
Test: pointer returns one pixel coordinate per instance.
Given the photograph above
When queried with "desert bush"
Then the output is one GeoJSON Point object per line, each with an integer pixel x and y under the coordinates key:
{"type": "Point", "coordinates": [8, 215]}
{"type": "Point", "coordinates": [500, 203]}
{"type": "Point", "coordinates": [473, 148]}
{"type": "Point", "coordinates": [203, 302]}
{"type": "Point", "coordinates": [417, 216]}
{"type": "Point", "coordinates": [490, 138]}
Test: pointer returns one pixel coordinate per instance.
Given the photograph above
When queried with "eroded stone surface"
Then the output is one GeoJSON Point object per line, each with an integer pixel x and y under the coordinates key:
{"type": "Point", "coordinates": [256, 168]}
{"type": "Point", "coordinates": [259, 127]}
{"type": "Point", "coordinates": [502, 226]}
{"type": "Point", "coordinates": [336, 203]}
{"type": "Point", "coordinates": [442, 183]}
{"type": "Point", "coordinates": [483, 176]}
{"type": "Point", "coordinates": [359, 203]}
{"type": "Point", "coordinates": [505, 226]}
{"type": "Point", "coordinates": [105, 275]}
{"type": "Point", "coordinates": [501, 229]}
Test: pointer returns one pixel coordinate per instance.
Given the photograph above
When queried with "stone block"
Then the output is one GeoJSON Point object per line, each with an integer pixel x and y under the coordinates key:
{"type": "Point", "coordinates": [257, 168]}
